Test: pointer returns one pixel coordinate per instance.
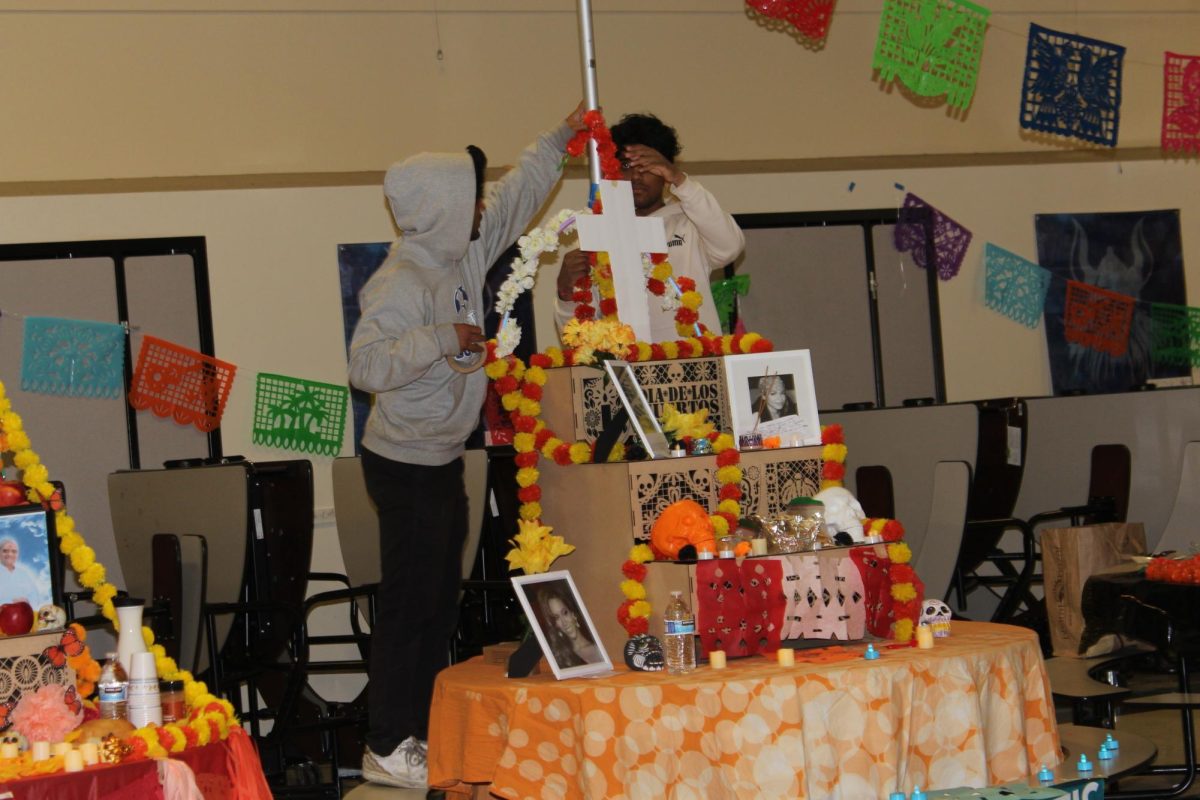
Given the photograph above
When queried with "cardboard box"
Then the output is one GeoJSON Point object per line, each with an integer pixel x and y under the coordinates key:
{"type": "Point", "coordinates": [26, 667]}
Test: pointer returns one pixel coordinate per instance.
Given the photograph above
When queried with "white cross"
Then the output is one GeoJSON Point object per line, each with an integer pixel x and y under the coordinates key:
{"type": "Point", "coordinates": [624, 236]}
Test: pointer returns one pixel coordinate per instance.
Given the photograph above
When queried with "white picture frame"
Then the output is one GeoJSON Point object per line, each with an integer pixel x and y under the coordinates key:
{"type": "Point", "coordinates": [641, 413]}
{"type": "Point", "coordinates": [562, 624]}
{"type": "Point", "coordinates": [788, 407]}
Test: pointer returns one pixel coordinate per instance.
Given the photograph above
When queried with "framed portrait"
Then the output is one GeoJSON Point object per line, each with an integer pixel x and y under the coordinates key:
{"type": "Point", "coordinates": [641, 414]}
{"type": "Point", "coordinates": [563, 627]}
{"type": "Point", "coordinates": [773, 394]}
{"type": "Point", "coordinates": [28, 563]}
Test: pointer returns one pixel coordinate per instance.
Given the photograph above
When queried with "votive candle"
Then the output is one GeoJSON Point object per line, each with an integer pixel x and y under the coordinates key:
{"type": "Point", "coordinates": [73, 761]}
{"type": "Point", "coordinates": [716, 659]}
{"type": "Point", "coordinates": [40, 751]}
{"type": "Point", "coordinates": [90, 751]}
{"type": "Point", "coordinates": [758, 547]}
{"type": "Point", "coordinates": [924, 637]}
{"type": "Point", "coordinates": [786, 657]}
{"type": "Point", "coordinates": [9, 750]}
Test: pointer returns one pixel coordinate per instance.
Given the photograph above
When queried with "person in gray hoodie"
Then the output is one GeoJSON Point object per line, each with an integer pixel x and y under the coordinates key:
{"type": "Point", "coordinates": [421, 312]}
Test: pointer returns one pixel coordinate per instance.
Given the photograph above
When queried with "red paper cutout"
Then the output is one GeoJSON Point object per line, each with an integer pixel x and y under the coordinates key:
{"type": "Point", "coordinates": [1181, 103]}
{"type": "Point", "coordinates": [721, 608]}
{"type": "Point", "coordinates": [810, 17]}
{"type": "Point", "coordinates": [174, 381]}
{"type": "Point", "coordinates": [762, 586]}
{"type": "Point", "coordinates": [878, 587]}
{"type": "Point", "coordinates": [1098, 318]}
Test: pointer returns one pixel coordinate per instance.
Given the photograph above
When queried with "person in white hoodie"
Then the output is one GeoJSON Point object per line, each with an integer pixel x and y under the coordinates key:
{"type": "Point", "coordinates": [701, 237]}
{"type": "Point", "coordinates": [420, 310]}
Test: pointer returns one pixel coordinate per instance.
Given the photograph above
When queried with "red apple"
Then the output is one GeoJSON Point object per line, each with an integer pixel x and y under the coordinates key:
{"type": "Point", "coordinates": [11, 494]}
{"type": "Point", "coordinates": [16, 618]}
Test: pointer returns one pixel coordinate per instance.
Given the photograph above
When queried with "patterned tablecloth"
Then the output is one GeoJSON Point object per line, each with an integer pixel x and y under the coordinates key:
{"type": "Point", "coordinates": [974, 711]}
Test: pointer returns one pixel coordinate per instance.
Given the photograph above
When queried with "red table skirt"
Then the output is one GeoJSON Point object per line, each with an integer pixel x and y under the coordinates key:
{"type": "Point", "coordinates": [228, 770]}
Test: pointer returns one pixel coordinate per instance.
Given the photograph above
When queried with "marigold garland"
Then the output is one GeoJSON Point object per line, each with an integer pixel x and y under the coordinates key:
{"type": "Point", "coordinates": [209, 716]}
{"type": "Point", "coordinates": [907, 605]}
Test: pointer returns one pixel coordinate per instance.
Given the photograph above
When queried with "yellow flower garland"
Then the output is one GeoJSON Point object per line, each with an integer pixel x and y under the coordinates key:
{"type": "Point", "coordinates": [206, 710]}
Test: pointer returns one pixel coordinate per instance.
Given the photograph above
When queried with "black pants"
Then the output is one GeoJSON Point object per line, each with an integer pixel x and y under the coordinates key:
{"type": "Point", "coordinates": [422, 527]}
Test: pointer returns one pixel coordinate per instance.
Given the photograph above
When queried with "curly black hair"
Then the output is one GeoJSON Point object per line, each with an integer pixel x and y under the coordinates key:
{"type": "Point", "coordinates": [649, 130]}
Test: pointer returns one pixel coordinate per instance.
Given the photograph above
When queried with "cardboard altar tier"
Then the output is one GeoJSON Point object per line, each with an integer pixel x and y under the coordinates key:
{"type": "Point", "coordinates": [604, 509]}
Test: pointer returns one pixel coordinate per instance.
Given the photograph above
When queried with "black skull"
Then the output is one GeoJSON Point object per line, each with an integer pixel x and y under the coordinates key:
{"type": "Point", "coordinates": [644, 653]}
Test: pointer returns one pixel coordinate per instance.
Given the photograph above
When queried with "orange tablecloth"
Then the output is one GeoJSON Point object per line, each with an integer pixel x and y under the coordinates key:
{"type": "Point", "coordinates": [974, 711]}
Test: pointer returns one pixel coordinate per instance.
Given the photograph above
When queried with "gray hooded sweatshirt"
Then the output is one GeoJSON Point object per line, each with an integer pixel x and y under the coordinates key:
{"type": "Point", "coordinates": [432, 278]}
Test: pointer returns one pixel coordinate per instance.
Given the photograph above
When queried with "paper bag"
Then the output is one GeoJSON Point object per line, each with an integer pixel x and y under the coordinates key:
{"type": "Point", "coordinates": [1069, 557]}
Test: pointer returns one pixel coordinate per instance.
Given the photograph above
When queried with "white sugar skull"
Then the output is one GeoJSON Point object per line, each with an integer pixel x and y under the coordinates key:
{"type": "Point", "coordinates": [51, 618]}
{"type": "Point", "coordinates": [843, 513]}
{"type": "Point", "coordinates": [936, 615]}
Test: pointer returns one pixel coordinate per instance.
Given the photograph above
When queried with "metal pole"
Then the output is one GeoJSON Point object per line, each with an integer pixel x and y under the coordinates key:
{"type": "Point", "coordinates": [591, 94]}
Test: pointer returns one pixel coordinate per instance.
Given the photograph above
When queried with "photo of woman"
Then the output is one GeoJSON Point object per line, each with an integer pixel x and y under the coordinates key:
{"type": "Point", "coordinates": [564, 626]}
{"type": "Point", "coordinates": [773, 397]}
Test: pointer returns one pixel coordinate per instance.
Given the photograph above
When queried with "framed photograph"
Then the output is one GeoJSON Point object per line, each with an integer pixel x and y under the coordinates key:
{"type": "Point", "coordinates": [641, 415]}
{"type": "Point", "coordinates": [562, 625]}
{"type": "Point", "coordinates": [28, 568]}
{"type": "Point", "coordinates": [773, 394]}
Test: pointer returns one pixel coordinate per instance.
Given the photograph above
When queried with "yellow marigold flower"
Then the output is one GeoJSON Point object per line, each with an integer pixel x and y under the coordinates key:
{"type": "Point", "coordinates": [643, 350]}
{"type": "Point", "coordinates": [729, 507]}
{"type": "Point", "coordinates": [617, 453]}
{"type": "Point", "coordinates": [641, 553]}
{"type": "Point", "coordinates": [581, 453]}
{"type": "Point", "coordinates": [691, 300]}
{"type": "Point", "coordinates": [108, 611]}
{"type": "Point", "coordinates": [203, 731]}
{"type": "Point", "coordinates": [720, 526]}
{"type": "Point", "coordinates": [104, 592]}
{"type": "Point", "coordinates": [531, 511]}
{"type": "Point", "coordinates": [82, 558]}
{"type": "Point", "coordinates": [730, 474]}
{"type": "Point", "coordinates": [497, 369]}
{"type": "Point", "coordinates": [697, 345]}
{"type": "Point", "coordinates": [899, 553]}
{"type": "Point", "coordinates": [749, 340]}
{"type": "Point", "coordinates": [93, 576]}
{"type": "Point", "coordinates": [25, 459]}
{"type": "Point", "coordinates": [45, 490]}
{"type": "Point", "coordinates": [517, 369]}
{"type": "Point", "coordinates": [527, 476]}
{"type": "Point", "coordinates": [530, 408]}
{"type": "Point", "coordinates": [727, 344]}
{"type": "Point", "coordinates": [67, 543]}
{"type": "Point", "coordinates": [536, 375]}
{"type": "Point", "coordinates": [18, 440]}
{"type": "Point", "coordinates": [633, 590]}
{"type": "Point", "coordinates": [523, 442]}
{"type": "Point", "coordinates": [147, 636]}
{"type": "Point", "coordinates": [671, 349]}
{"type": "Point", "coordinates": [178, 739]}
{"type": "Point", "coordinates": [511, 401]}
{"type": "Point", "coordinates": [834, 452]}
{"type": "Point", "coordinates": [903, 592]}
{"type": "Point", "coordinates": [639, 609]}
{"type": "Point", "coordinates": [550, 446]}
{"type": "Point", "coordinates": [10, 421]}
{"type": "Point", "coordinates": [723, 442]}
{"type": "Point", "coordinates": [35, 474]}
{"type": "Point", "coordinates": [555, 354]}
{"type": "Point", "coordinates": [903, 630]}
{"type": "Point", "coordinates": [194, 691]}
{"type": "Point", "coordinates": [661, 270]}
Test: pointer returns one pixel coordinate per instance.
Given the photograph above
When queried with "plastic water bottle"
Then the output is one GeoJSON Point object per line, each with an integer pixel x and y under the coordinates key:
{"type": "Point", "coordinates": [113, 689]}
{"type": "Point", "coordinates": [679, 646]}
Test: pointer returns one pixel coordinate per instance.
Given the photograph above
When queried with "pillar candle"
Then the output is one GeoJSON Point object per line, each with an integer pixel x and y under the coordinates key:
{"type": "Point", "coordinates": [924, 637]}
{"type": "Point", "coordinates": [786, 657]}
{"type": "Point", "coordinates": [40, 751]}
{"type": "Point", "coordinates": [716, 659]}
{"type": "Point", "coordinates": [758, 547]}
{"type": "Point", "coordinates": [11, 750]}
{"type": "Point", "coordinates": [73, 761]}
{"type": "Point", "coordinates": [90, 752]}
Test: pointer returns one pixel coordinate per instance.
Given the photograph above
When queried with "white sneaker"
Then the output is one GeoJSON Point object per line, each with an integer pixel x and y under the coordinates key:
{"type": "Point", "coordinates": [406, 765]}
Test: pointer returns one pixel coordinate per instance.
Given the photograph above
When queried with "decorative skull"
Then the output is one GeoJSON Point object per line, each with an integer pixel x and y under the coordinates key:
{"type": "Point", "coordinates": [936, 615]}
{"type": "Point", "coordinates": [843, 513]}
{"type": "Point", "coordinates": [644, 653]}
{"type": "Point", "coordinates": [51, 618]}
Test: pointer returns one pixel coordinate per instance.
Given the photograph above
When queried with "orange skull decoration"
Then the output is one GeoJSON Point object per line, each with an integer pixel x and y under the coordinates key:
{"type": "Point", "coordinates": [682, 523]}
